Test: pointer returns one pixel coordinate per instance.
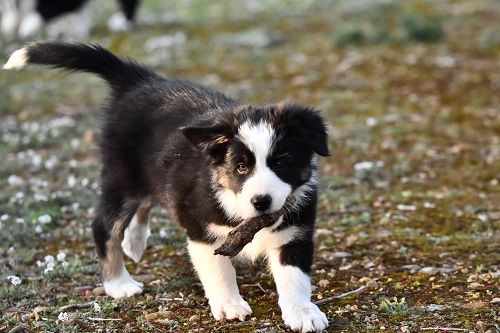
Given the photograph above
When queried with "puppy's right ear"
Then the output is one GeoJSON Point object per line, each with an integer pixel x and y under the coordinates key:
{"type": "Point", "coordinates": [208, 138]}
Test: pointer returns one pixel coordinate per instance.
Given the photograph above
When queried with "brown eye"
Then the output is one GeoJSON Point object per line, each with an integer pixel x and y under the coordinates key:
{"type": "Point", "coordinates": [280, 164]}
{"type": "Point", "coordinates": [242, 168]}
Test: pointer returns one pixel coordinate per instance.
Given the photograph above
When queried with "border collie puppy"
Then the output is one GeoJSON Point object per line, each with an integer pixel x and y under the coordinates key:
{"type": "Point", "coordinates": [25, 18]}
{"type": "Point", "coordinates": [213, 164]}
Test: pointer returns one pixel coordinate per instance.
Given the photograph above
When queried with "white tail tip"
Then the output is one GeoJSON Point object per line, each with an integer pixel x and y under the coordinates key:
{"type": "Point", "coordinates": [17, 60]}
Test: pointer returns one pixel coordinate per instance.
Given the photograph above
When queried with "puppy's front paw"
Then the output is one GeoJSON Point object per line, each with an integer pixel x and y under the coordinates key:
{"type": "Point", "coordinates": [230, 310]}
{"type": "Point", "coordinates": [304, 317]}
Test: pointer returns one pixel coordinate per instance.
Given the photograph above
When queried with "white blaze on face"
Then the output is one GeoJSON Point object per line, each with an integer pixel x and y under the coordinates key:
{"type": "Point", "coordinates": [262, 181]}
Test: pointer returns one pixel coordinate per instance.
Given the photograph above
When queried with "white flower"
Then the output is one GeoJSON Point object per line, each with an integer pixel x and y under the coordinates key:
{"type": "Point", "coordinates": [15, 280]}
{"type": "Point", "coordinates": [63, 316]}
{"type": "Point", "coordinates": [39, 263]}
{"type": "Point", "coordinates": [163, 233]}
{"type": "Point", "coordinates": [406, 207]}
{"type": "Point", "coordinates": [14, 180]}
{"type": "Point", "coordinates": [61, 256]}
{"type": "Point", "coordinates": [4, 217]}
{"type": "Point", "coordinates": [38, 229]}
{"type": "Point", "coordinates": [11, 250]}
{"type": "Point", "coordinates": [366, 165]}
{"type": "Point", "coordinates": [50, 268]}
{"type": "Point", "coordinates": [97, 307]}
{"type": "Point", "coordinates": [49, 260]}
{"type": "Point", "coordinates": [44, 219]}
{"type": "Point", "coordinates": [370, 121]}
{"type": "Point", "coordinates": [429, 205]}
{"type": "Point", "coordinates": [19, 220]}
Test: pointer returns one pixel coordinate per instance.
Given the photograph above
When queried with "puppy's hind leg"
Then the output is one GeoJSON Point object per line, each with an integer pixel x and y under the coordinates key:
{"type": "Point", "coordinates": [113, 216]}
{"type": "Point", "coordinates": [137, 233]}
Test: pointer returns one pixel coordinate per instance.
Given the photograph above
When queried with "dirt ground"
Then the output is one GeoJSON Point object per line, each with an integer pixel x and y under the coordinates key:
{"type": "Point", "coordinates": [409, 199]}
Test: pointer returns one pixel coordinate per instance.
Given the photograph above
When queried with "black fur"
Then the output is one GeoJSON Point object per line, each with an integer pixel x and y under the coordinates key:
{"type": "Point", "coordinates": [165, 138]}
{"type": "Point", "coordinates": [50, 9]}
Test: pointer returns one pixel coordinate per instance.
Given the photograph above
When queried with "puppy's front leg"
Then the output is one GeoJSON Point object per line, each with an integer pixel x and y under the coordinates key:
{"type": "Point", "coordinates": [290, 266]}
{"type": "Point", "coordinates": [218, 277]}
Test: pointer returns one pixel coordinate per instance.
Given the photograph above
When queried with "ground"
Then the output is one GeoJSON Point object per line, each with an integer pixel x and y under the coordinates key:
{"type": "Point", "coordinates": [409, 198]}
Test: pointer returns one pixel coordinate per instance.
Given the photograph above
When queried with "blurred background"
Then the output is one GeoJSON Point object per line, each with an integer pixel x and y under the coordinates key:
{"type": "Point", "coordinates": [410, 198]}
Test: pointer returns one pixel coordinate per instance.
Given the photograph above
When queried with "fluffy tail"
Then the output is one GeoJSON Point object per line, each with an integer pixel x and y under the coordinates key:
{"type": "Point", "coordinates": [95, 59]}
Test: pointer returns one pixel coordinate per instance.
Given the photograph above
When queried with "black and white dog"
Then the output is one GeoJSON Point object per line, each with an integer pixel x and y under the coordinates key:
{"type": "Point", "coordinates": [25, 18]}
{"type": "Point", "coordinates": [214, 164]}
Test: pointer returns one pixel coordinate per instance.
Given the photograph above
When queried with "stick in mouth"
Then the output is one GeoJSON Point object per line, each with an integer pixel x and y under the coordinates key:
{"type": "Point", "coordinates": [244, 234]}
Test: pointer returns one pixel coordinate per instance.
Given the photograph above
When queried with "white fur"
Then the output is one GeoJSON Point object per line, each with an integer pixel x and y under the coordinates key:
{"type": "Point", "coordinates": [17, 60]}
{"type": "Point", "coordinates": [259, 139]}
{"type": "Point", "coordinates": [118, 23]}
{"type": "Point", "coordinates": [135, 239]}
{"type": "Point", "coordinates": [30, 24]}
{"type": "Point", "coordinates": [264, 240]}
{"type": "Point", "coordinates": [10, 17]}
{"type": "Point", "coordinates": [294, 292]}
{"type": "Point", "coordinates": [122, 285]}
{"type": "Point", "coordinates": [218, 277]}
{"type": "Point", "coordinates": [74, 25]}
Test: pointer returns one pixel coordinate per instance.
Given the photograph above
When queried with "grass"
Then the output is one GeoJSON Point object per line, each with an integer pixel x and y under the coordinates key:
{"type": "Point", "coordinates": [409, 91]}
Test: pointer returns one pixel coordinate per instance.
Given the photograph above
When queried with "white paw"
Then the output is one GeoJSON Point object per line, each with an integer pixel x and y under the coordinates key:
{"type": "Point", "coordinates": [304, 317]}
{"type": "Point", "coordinates": [135, 241]}
{"type": "Point", "coordinates": [230, 310]}
{"type": "Point", "coordinates": [122, 286]}
{"type": "Point", "coordinates": [119, 23]}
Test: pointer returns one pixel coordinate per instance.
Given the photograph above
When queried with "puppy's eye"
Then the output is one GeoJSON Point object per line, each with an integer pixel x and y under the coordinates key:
{"type": "Point", "coordinates": [241, 168]}
{"type": "Point", "coordinates": [280, 164]}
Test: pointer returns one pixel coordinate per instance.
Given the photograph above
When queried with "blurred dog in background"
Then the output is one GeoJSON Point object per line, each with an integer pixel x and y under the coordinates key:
{"type": "Point", "coordinates": [28, 18]}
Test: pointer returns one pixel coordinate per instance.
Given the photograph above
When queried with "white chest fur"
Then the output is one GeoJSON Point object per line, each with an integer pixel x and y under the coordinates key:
{"type": "Point", "coordinates": [263, 241]}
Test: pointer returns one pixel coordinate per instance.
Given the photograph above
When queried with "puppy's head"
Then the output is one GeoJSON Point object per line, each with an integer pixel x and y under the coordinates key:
{"type": "Point", "coordinates": [262, 156]}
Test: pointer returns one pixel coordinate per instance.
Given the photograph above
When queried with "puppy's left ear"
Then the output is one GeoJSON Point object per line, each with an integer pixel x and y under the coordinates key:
{"type": "Point", "coordinates": [208, 137]}
{"type": "Point", "coordinates": [308, 126]}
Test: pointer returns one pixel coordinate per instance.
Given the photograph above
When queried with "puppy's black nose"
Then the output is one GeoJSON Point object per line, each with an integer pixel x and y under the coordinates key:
{"type": "Point", "coordinates": [261, 202]}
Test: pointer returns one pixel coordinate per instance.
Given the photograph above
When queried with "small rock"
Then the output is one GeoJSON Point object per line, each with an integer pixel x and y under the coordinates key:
{"type": "Point", "coordinates": [194, 318]}
{"type": "Point", "coordinates": [404, 329]}
{"type": "Point", "coordinates": [99, 291]}
{"type": "Point", "coordinates": [480, 326]}
{"type": "Point", "coordinates": [82, 289]}
{"type": "Point", "coordinates": [475, 305]}
{"type": "Point", "coordinates": [341, 254]}
{"type": "Point", "coordinates": [430, 270]}
{"type": "Point", "coordinates": [370, 283]}
{"type": "Point", "coordinates": [323, 283]}
{"type": "Point", "coordinates": [495, 300]}
{"type": "Point", "coordinates": [157, 315]}
{"type": "Point", "coordinates": [411, 268]}
{"type": "Point", "coordinates": [475, 285]}
{"type": "Point", "coordinates": [341, 321]}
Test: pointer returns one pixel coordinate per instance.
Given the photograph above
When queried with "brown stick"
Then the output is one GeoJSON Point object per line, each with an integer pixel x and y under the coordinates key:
{"type": "Point", "coordinates": [76, 306]}
{"type": "Point", "coordinates": [244, 233]}
{"type": "Point", "coordinates": [331, 299]}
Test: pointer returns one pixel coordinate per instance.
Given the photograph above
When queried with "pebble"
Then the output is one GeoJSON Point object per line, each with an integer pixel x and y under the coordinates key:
{"type": "Point", "coordinates": [495, 300]}
{"type": "Point", "coordinates": [194, 318]}
{"type": "Point", "coordinates": [411, 268]}
{"type": "Point", "coordinates": [157, 315]}
{"type": "Point", "coordinates": [99, 291]}
{"type": "Point", "coordinates": [82, 289]}
{"type": "Point", "coordinates": [323, 283]}
{"type": "Point", "coordinates": [341, 254]}
{"type": "Point", "coordinates": [430, 270]}
{"type": "Point", "coordinates": [475, 285]}
{"type": "Point", "coordinates": [370, 283]}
